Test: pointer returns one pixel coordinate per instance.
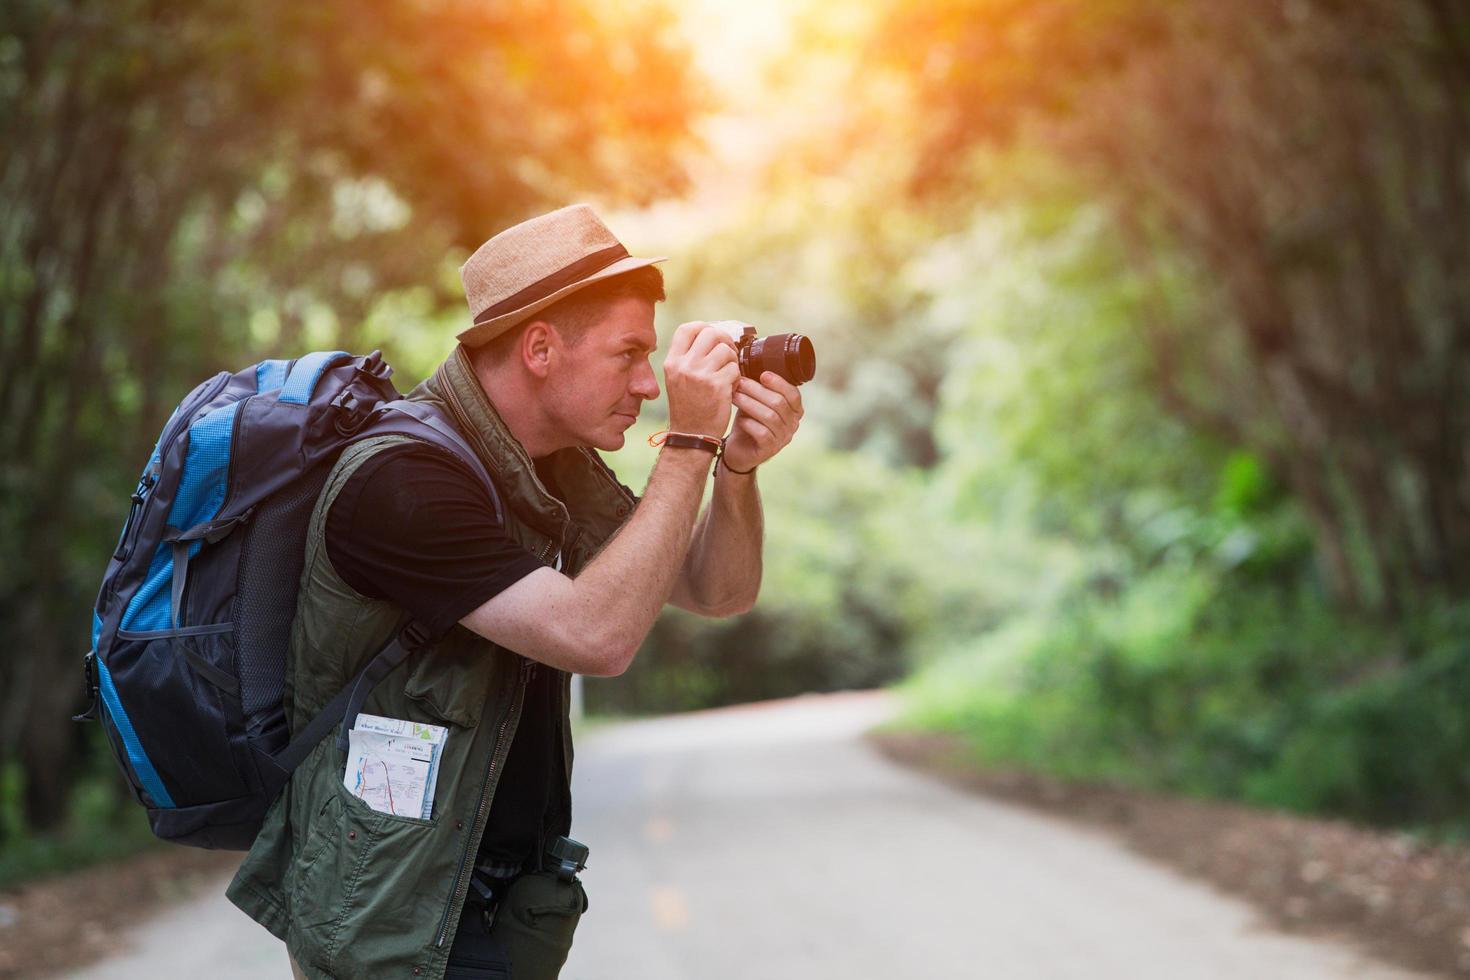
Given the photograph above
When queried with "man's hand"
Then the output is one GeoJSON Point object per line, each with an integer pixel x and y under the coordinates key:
{"type": "Point", "coordinates": [700, 372]}
{"type": "Point", "coordinates": [594, 623]}
{"type": "Point", "coordinates": [769, 415]}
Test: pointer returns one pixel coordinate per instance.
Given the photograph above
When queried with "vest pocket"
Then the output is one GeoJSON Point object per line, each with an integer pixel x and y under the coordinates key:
{"type": "Point", "coordinates": [368, 818]}
{"type": "Point", "coordinates": [317, 873]}
{"type": "Point", "coordinates": [319, 835]}
{"type": "Point", "coordinates": [456, 679]}
{"type": "Point", "coordinates": [359, 904]}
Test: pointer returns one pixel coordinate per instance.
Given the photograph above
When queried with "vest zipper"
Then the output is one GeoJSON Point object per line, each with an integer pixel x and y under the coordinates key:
{"type": "Point", "coordinates": [497, 758]}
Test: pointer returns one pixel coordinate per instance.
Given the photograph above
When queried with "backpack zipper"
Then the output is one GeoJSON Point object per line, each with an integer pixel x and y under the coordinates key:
{"type": "Point", "coordinates": [229, 482]}
{"type": "Point", "coordinates": [497, 758]}
{"type": "Point", "coordinates": [176, 426]}
{"type": "Point", "coordinates": [140, 497]}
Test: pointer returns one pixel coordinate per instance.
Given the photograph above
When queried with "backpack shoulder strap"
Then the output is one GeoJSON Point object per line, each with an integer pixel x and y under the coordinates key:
{"type": "Point", "coordinates": [420, 421]}
{"type": "Point", "coordinates": [346, 706]}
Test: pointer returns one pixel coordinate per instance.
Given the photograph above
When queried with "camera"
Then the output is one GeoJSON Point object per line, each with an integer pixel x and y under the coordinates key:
{"type": "Point", "coordinates": [791, 355]}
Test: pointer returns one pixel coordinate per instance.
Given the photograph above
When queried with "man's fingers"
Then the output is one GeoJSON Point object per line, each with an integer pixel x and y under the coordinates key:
{"type": "Point", "coordinates": [762, 436]}
{"type": "Point", "coordinates": [784, 388]}
{"type": "Point", "coordinates": [755, 408]}
{"type": "Point", "coordinates": [707, 340]}
{"type": "Point", "coordinates": [684, 336]}
{"type": "Point", "coordinates": [766, 396]}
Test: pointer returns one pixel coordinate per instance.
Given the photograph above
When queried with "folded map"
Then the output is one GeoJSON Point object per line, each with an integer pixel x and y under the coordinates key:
{"type": "Point", "coordinates": [392, 765]}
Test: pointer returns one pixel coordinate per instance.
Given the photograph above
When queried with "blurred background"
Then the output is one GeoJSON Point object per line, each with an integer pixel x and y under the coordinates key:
{"type": "Point", "coordinates": [1138, 448]}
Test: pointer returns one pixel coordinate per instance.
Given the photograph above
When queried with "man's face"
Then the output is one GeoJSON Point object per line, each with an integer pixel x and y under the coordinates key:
{"type": "Point", "coordinates": [597, 386]}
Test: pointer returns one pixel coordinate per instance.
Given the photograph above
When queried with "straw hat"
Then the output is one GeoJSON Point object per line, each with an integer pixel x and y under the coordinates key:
{"type": "Point", "coordinates": [526, 268]}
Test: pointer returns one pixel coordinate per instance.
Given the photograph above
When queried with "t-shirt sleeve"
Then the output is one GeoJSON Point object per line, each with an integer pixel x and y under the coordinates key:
{"type": "Point", "coordinates": [415, 527]}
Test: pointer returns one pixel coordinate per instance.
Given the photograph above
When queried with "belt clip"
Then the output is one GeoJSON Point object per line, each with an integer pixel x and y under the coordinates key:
{"type": "Point", "coordinates": [489, 898]}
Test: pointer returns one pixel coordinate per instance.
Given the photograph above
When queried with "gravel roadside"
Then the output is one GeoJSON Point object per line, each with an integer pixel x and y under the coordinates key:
{"type": "Point", "coordinates": [1406, 901]}
{"type": "Point", "coordinates": [61, 923]}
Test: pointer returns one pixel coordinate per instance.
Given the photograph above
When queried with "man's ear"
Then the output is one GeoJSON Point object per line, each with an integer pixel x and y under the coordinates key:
{"type": "Point", "coordinates": [538, 344]}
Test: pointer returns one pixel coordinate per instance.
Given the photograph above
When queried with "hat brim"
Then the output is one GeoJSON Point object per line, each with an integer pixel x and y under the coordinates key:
{"type": "Point", "coordinates": [483, 333]}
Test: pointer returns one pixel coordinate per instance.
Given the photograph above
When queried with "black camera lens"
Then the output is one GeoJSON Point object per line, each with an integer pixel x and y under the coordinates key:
{"type": "Point", "coordinates": [791, 355]}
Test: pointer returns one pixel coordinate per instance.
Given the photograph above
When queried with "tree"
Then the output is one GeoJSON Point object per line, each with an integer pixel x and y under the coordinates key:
{"type": "Point", "coordinates": [1310, 162]}
{"type": "Point", "coordinates": [169, 169]}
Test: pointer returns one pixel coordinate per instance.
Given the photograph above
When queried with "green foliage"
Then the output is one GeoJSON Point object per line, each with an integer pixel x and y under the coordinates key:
{"type": "Point", "coordinates": [860, 581]}
{"type": "Point", "coordinates": [101, 825]}
{"type": "Point", "coordinates": [1275, 155]}
{"type": "Point", "coordinates": [1201, 683]}
{"type": "Point", "coordinates": [1198, 385]}
{"type": "Point", "coordinates": [191, 187]}
{"type": "Point", "coordinates": [1390, 746]}
{"type": "Point", "coordinates": [1141, 330]}
{"type": "Point", "coordinates": [94, 831]}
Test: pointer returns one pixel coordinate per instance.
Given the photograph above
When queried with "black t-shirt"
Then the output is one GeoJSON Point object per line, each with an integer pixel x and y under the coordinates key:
{"type": "Point", "coordinates": [415, 527]}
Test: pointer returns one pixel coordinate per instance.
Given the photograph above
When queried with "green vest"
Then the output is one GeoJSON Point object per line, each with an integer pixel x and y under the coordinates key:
{"type": "Point", "coordinates": [358, 893]}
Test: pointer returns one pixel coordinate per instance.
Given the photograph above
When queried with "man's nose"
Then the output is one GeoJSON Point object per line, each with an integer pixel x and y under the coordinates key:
{"type": "Point", "coordinates": [645, 383]}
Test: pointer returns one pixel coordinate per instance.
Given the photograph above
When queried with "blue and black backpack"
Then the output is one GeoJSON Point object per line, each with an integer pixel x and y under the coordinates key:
{"type": "Point", "coordinates": [191, 626]}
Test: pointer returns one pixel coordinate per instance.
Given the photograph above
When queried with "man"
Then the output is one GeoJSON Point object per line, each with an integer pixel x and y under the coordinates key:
{"type": "Point", "coordinates": [568, 580]}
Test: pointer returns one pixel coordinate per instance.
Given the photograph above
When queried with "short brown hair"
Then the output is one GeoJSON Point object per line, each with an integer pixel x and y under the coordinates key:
{"type": "Point", "coordinates": [574, 314]}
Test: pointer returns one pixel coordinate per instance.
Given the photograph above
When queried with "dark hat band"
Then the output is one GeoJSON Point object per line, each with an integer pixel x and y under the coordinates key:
{"type": "Point", "coordinates": [542, 288]}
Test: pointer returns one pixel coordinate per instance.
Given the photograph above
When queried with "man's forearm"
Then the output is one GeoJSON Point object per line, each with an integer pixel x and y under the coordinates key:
{"type": "Point", "coordinates": [593, 624]}
{"type": "Point", "coordinates": [620, 593]}
{"type": "Point", "coordinates": [723, 569]}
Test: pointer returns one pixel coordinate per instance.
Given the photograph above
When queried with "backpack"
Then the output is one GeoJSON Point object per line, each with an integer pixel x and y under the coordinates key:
{"type": "Point", "coordinates": [193, 619]}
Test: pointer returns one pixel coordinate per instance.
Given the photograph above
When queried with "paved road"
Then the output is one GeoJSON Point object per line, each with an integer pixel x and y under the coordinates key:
{"type": "Point", "coordinates": [765, 843]}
